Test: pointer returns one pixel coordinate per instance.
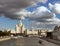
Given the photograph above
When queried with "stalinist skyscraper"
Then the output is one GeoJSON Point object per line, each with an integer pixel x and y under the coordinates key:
{"type": "Point", "coordinates": [20, 27]}
{"type": "Point", "coordinates": [21, 30]}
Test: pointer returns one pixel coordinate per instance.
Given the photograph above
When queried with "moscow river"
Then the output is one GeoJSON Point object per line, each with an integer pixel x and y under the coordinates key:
{"type": "Point", "coordinates": [26, 41]}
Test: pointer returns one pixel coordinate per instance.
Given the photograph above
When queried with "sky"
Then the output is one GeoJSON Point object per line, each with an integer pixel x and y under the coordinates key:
{"type": "Point", "coordinates": [37, 14]}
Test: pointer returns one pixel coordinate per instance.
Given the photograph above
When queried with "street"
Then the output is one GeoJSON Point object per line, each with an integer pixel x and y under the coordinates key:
{"type": "Point", "coordinates": [26, 41]}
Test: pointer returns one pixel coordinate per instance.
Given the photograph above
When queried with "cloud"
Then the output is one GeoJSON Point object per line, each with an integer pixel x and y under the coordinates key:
{"type": "Point", "coordinates": [55, 8]}
{"type": "Point", "coordinates": [41, 25]}
{"type": "Point", "coordinates": [44, 25]}
{"type": "Point", "coordinates": [41, 14]}
{"type": "Point", "coordinates": [9, 7]}
{"type": "Point", "coordinates": [43, 18]}
{"type": "Point", "coordinates": [22, 14]}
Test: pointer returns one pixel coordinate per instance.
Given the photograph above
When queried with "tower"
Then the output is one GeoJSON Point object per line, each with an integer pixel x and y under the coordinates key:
{"type": "Point", "coordinates": [20, 23]}
{"type": "Point", "coordinates": [20, 27]}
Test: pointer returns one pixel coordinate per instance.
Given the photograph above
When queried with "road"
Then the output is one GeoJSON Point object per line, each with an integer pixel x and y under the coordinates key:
{"type": "Point", "coordinates": [26, 41]}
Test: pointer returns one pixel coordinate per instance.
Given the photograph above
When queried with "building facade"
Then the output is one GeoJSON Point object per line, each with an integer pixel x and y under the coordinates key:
{"type": "Point", "coordinates": [20, 29]}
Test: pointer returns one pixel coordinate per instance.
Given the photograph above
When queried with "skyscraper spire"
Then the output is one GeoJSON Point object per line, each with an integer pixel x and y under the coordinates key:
{"type": "Point", "coordinates": [20, 22]}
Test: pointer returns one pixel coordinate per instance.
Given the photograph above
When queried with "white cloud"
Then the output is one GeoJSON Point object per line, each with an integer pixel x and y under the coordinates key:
{"type": "Point", "coordinates": [43, 18]}
{"type": "Point", "coordinates": [55, 8]}
{"type": "Point", "coordinates": [44, 25]}
{"type": "Point", "coordinates": [41, 14]}
{"type": "Point", "coordinates": [22, 14]}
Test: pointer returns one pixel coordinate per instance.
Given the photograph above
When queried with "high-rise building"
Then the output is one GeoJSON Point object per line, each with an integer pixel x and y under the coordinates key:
{"type": "Point", "coordinates": [20, 27]}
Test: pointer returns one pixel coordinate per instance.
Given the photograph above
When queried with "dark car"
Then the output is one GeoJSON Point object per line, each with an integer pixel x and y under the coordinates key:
{"type": "Point", "coordinates": [40, 41]}
{"type": "Point", "coordinates": [26, 35]}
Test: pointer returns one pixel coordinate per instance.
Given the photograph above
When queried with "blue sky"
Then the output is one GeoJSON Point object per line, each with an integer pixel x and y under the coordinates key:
{"type": "Point", "coordinates": [6, 23]}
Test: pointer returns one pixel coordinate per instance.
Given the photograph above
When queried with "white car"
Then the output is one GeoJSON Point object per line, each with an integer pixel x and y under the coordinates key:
{"type": "Point", "coordinates": [15, 37]}
{"type": "Point", "coordinates": [20, 36]}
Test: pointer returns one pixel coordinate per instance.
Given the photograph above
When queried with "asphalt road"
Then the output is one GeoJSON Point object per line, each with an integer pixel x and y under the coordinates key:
{"type": "Point", "coordinates": [26, 41]}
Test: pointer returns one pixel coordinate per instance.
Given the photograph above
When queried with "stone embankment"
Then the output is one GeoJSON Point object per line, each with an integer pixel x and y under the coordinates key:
{"type": "Point", "coordinates": [52, 41]}
{"type": "Point", "coordinates": [4, 38]}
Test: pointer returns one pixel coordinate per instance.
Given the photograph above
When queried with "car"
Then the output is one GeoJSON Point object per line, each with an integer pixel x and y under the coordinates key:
{"type": "Point", "coordinates": [20, 36]}
{"type": "Point", "coordinates": [40, 41]}
{"type": "Point", "coordinates": [26, 35]}
{"type": "Point", "coordinates": [15, 37]}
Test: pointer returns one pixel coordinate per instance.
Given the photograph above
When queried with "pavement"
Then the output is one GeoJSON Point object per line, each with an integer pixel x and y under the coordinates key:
{"type": "Point", "coordinates": [26, 41]}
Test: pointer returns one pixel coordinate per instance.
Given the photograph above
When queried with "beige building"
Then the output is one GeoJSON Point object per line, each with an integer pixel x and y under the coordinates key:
{"type": "Point", "coordinates": [21, 29]}
{"type": "Point", "coordinates": [32, 32]}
